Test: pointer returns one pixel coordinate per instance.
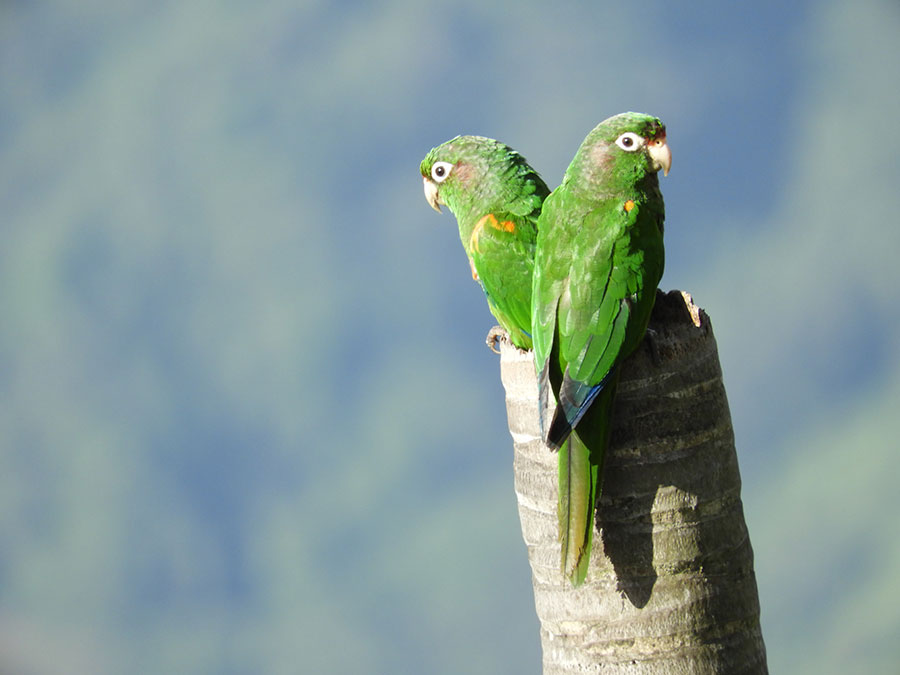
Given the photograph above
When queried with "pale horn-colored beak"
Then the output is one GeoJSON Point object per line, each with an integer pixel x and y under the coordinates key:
{"type": "Point", "coordinates": [660, 154]}
{"type": "Point", "coordinates": [431, 193]}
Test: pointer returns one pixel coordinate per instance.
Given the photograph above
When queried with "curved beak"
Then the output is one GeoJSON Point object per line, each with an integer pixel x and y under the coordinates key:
{"type": "Point", "coordinates": [660, 154]}
{"type": "Point", "coordinates": [431, 194]}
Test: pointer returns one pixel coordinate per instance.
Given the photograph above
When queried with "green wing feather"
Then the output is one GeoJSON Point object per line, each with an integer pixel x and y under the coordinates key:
{"type": "Point", "coordinates": [505, 264]}
{"type": "Point", "coordinates": [612, 288]}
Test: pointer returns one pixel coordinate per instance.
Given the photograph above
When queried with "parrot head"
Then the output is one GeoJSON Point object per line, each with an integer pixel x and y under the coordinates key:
{"type": "Point", "coordinates": [629, 146]}
{"type": "Point", "coordinates": [471, 173]}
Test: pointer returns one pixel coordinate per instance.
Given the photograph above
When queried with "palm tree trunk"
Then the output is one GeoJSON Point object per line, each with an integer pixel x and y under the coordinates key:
{"type": "Point", "coordinates": [671, 587]}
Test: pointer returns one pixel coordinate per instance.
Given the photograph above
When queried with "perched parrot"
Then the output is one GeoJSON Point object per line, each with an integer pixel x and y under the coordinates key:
{"type": "Point", "coordinates": [496, 198]}
{"type": "Point", "coordinates": [598, 261]}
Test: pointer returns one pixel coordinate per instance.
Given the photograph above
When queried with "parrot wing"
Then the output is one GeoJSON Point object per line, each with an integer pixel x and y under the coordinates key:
{"type": "Point", "coordinates": [594, 312]}
{"type": "Point", "coordinates": [502, 249]}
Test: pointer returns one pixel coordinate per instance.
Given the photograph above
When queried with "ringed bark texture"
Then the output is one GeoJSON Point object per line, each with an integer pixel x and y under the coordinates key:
{"type": "Point", "coordinates": [670, 588]}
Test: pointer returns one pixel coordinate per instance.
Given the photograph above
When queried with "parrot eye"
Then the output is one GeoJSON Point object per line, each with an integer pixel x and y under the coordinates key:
{"type": "Point", "coordinates": [440, 171]}
{"type": "Point", "coordinates": [630, 141]}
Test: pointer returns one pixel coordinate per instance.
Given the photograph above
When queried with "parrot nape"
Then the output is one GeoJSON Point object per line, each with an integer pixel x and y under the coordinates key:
{"type": "Point", "coordinates": [496, 198]}
{"type": "Point", "coordinates": [598, 261]}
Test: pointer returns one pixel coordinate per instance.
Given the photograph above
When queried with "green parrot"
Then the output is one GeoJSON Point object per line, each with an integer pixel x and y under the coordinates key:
{"type": "Point", "coordinates": [598, 262]}
{"type": "Point", "coordinates": [496, 198]}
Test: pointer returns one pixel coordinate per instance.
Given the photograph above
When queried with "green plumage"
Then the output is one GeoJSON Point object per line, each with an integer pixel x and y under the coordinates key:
{"type": "Point", "coordinates": [598, 262]}
{"type": "Point", "coordinates": [496, 198]}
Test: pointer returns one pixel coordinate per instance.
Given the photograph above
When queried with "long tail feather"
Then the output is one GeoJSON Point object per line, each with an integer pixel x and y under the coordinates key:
{"type": "Point", "coordinates": [581, 460]}
{"type": "Point", "coordinates": [577, 493]}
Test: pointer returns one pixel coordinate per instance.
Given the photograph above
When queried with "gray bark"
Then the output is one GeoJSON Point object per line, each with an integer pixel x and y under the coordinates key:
{"type": "Point", "coordinates": [671, 587]}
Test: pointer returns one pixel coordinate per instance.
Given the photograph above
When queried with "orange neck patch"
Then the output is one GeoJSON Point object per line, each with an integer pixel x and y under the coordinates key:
{"type": "Point", "coordinates": [628, 206]}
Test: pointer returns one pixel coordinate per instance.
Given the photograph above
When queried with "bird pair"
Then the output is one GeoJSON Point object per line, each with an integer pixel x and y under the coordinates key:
{"type": "Point", "coordinates": [571, 274]}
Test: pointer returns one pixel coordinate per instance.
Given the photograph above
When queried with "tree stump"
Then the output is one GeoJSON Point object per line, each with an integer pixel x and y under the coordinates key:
{"type": "Point", "coordinates": [670, 587]}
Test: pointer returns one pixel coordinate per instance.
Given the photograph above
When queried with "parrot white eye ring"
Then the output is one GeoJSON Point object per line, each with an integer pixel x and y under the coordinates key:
{"type": "Point", "coordinates": [440, 171]}
{"type": "Point", "coordinates": [630, 141]}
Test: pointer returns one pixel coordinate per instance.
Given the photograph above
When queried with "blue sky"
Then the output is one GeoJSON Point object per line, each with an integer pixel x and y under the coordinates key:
{"type": "Point", "coordinates": [249, 421]}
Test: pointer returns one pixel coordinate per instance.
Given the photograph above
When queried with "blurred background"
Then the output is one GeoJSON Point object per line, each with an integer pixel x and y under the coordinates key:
{"type": "Point", "coordinates": [248, 421]}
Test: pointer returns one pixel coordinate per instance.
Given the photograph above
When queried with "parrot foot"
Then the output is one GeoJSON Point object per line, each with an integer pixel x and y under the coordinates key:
{"type": "Point", "coordinates": [650, 339]}
{"type": "Point", "coordinates": [494, 337]}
